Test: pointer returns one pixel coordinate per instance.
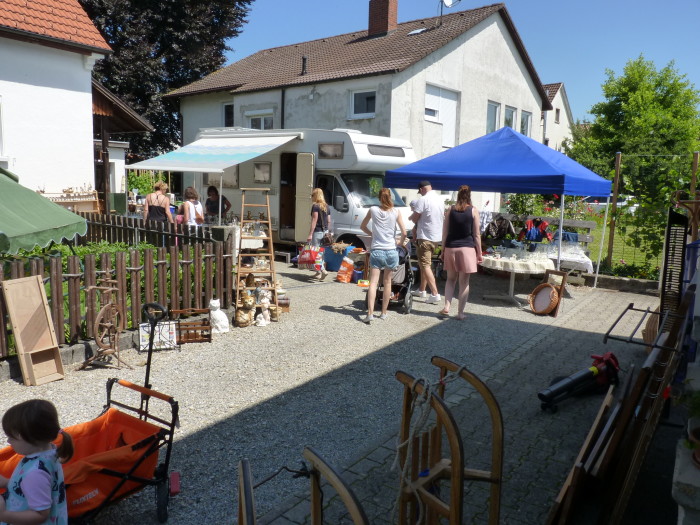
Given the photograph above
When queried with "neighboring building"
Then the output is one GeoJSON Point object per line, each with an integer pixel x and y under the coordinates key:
{"type": "Point", "coordinates": [436, 82]}
{"type": "Point", "coordinates": [47, 52]}
{"type": "Point", "coordinates": [557, 122]}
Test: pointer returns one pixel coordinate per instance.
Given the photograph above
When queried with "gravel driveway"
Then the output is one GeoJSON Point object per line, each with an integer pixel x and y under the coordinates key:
{"type": "Point", "coordinates": [318, 377]}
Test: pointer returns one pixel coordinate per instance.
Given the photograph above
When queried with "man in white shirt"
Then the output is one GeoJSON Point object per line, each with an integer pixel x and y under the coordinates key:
{"type": "Point", "coordinates": [428, 215]}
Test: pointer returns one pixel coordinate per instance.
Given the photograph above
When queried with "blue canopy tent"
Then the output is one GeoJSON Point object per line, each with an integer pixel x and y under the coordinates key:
{"type": "Point", "coordinates": [504, 161]}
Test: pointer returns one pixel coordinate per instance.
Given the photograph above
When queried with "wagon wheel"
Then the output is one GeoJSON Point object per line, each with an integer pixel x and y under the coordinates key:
{"type": "Point", "coordinates": [162, 494]}
{"type": "Point", "coordinates": [108, 323]}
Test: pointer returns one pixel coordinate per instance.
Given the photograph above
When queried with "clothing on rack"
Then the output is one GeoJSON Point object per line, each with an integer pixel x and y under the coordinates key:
{"type": "Point", "coordinates": [485, 218]}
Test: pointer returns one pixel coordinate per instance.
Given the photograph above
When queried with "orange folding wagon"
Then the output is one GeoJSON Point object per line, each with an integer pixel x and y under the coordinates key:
{"type": "Point", "coordinates": [117, 453]}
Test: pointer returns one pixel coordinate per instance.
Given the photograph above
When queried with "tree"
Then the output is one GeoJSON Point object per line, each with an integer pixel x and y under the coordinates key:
{"type": "Point", "coordinates": [159, 46]}
{"type": "Point", "coordinates": [652, 118]}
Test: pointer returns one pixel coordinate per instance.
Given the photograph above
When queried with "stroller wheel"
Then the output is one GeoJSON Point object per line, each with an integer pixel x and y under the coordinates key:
{"type": "Point", "coordinates": [407, 302]}
{"type": "Point", "coordinates": [162, 494]}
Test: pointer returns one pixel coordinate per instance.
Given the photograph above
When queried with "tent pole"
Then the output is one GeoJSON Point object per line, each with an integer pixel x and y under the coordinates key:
{"type": "Point", "coordinates": [221, 190]}
{"type": "Point", "coordinates": [561, 228]}
{"type": "Point", "coordinates": [600, 248]}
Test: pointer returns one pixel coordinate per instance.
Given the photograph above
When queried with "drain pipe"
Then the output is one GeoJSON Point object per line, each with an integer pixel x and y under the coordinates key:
{"type": "Point", "coordinates": [282, 97]}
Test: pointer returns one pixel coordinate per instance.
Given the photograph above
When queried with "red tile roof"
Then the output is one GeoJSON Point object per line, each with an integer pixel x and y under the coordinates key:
{"type": "Point", "coordinates": [352, 55]}
{"type": "Point", "coordinates": [55, 21]}
{"type": "Point", "coordinates": [552, 90]}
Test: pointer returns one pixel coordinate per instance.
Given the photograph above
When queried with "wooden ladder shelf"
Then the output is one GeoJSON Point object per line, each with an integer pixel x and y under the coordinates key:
{"type": "Point", "coordinates": [262, 273]}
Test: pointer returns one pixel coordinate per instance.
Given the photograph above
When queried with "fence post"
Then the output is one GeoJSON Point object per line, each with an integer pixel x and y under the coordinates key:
{"type": "Point", "coordinates": [174, 278]}
{"type": "Point", "coordinates": [219, 258]}
{"type": "Point", "coordinates": [208, 272]}
{"type": "Point", "coordinates": [74, 314]}
{"type": "Point", "coordinates": [56, 288]}
{"type": "Point", "coordinates": [121, 285]}
{"type": "Point", "coordinates": [135, 274]}
{"type": "Point", "coordinates": [198, 277]}
{"type": "Point", "coordinates": [3, 323]}
{"type": "Point", "coordinates": [148, 282]}
{"type": "Point", "coordinates": [186, 264]}
{"type": "Point", "coordinates": [162, 265]}
{"type": "Point", "coordinates": [90, 280]}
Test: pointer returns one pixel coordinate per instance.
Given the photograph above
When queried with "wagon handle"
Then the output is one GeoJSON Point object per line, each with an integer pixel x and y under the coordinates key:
{"type": "Point", "coordinates": [145, 391]}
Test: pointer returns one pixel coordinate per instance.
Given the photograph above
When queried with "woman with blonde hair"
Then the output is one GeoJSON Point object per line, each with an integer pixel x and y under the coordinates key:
{"type": "Point", "coordinates": [157, 206]}
{"type": "Point", "coordinates": [461, 249]}
{"type": "Point", "coordinates": [320, 223]}
{"type": "Point", "coordinates": [382, 254]}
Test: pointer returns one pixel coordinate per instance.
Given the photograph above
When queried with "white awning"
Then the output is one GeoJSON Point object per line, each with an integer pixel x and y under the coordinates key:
{"type": "Point", "coordinates": [213, 154]}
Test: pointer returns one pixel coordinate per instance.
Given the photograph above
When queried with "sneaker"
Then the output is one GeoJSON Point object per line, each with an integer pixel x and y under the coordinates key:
{"type": "Point", "coordinates": [433, 299]}
{"type": "Point", "coordinates": [367, 319]}
{"type": "Point", "coordinates": [323, 274]}
{"type": "Point", "coordinates": [382, 317]}
{"type": "Point", "coordinates": [418, 293]}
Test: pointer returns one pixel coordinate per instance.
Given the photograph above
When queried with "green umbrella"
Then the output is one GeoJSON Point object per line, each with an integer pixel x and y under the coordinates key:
{"type": "Point", "coordinates": [28, 219]}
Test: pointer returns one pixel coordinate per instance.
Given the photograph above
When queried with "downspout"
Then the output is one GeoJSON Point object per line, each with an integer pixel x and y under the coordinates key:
{"type": "Point", "coordinates": [282, 108]}
{"type": "Point", "coordinates": [544, 128]}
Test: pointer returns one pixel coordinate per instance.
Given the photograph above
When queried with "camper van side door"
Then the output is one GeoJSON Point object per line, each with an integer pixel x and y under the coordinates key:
{"type": "Point", "coordinates": [302, 212]}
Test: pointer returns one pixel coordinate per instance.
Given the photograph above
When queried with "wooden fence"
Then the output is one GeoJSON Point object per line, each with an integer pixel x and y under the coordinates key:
{"type": "Point", "coordinates": [205, 270]}
{"type": "Point", "coordinates": [133, 230]}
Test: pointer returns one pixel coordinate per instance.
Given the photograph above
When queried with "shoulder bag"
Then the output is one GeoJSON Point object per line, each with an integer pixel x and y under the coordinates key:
{"type": "Point", "coordinates": [327, 238]}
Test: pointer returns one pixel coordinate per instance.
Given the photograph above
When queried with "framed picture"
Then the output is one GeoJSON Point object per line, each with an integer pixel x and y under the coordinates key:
{"type": "Point", "coordinates": [230, 178]}
{"type": "Point", "coordinates": [165, 336]}
{"type": "Point", "coordinates": [262, 172]}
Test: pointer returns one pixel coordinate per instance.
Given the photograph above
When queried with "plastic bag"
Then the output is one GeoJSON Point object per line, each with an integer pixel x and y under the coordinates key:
{"type": "Point", "coordinates": [345, 272]}
{"type": "Point", "coordinates": [311, 258]}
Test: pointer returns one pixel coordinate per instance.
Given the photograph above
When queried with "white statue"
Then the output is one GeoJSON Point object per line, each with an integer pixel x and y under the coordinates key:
{"type": "Point", "coordinates": [219, 321]}
{"type": "Point", "coordinates": [263, 318]}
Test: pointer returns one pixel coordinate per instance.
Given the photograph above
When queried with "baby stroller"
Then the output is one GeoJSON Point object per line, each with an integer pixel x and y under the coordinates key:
{"type": "Point", "coordinates": [401, 283]}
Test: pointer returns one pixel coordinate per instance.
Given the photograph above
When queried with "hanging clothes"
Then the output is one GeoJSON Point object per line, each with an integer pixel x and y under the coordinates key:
{"type": "Point", "coordinates": [535, 231]}
{"type": "Point", "coordinates": [499, 228]}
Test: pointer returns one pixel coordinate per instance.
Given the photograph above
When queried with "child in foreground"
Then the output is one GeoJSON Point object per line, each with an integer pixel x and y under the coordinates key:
{"type": "Point", "coordinates": [36, 492]}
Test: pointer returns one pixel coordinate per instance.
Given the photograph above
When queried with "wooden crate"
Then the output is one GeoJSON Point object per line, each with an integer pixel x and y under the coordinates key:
{"type": "Point", "coordinates": [194, 331]}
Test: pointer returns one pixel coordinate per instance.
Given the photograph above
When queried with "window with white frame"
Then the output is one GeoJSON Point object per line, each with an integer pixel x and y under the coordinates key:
{"type": "Point", "coordinates": [557, 114]}
{"type": "Point", "coordinates": [260, 119]}
{"type": "Point", "coordinates": [525, 123]}
{"type": "Point", "coordinates": [227, 114]}
{"type": "Point", "coordinates": [509, 117]}
{"type": "Point", "coordinates": [441, 107]}
{"type": "Point", "coordinates": [363, 104]}
{"type": "Point", "coordinates": [493, 116]}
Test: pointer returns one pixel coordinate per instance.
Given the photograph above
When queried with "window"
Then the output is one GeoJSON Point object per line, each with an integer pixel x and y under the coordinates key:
{"type": "Point", "coordinates": [228, 115]}
{"type": "Point", "coordinates": [525, 123]}
{"type": "Point", "coordinates": [262, 172]}
{"type": "Point", "coordinates": [557, 114]}
{"type": "Point", "coordinates": [260, 119]}
{"type": "Point", "coordinates": [441, 107]}
{"type": "Point", "coordinates": [363, 104]}
{"type": "Point", "coordinates": [510, 116]}
{"type": "Point", "coordinates": [385, 151]}
{"type": "Point", "coordinates": [330, 151]}
{"type": "Point", "coordinates": [261, 122]}
{"type": "Point", "coordinates": [493, 116]}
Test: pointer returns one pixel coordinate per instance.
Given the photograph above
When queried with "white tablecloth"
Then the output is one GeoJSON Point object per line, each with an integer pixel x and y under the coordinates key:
{"type": "Point", "coordinates": [573, 257]}
{"type": "Point", "coordinates": [513, 265]}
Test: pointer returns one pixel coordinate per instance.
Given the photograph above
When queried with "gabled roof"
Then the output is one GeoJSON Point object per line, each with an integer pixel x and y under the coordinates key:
{"type": "Point", "coordinates": [122, 119]}
{"type": "Point", "coordinates": [552, 90]}
{"type": "Point", "coordinates": [58, 23]}
{"type": "Point", "coordinates": [353, 55]}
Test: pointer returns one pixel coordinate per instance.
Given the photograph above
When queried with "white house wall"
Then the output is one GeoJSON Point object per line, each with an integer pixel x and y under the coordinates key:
{"type": "Point", "coordinates": [557, 132]}
{"type": "Point", "coordinates": [46, 112]}
{"type": "Point", "coordinates": [202, 111]}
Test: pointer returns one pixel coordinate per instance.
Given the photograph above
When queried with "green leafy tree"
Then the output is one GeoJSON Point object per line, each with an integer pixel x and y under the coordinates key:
{"type": "Point", "coordinates": [650, 116]}
{"type": "Point", "coordinates": [161, 45]}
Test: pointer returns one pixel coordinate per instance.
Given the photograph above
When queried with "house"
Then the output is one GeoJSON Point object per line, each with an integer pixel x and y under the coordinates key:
{"type": "Point", "coordinates": [436, 82]}
{"type": "Point", "coordinates": [47, 53]}
{"type": "Point", "coordinates": [557, 122]}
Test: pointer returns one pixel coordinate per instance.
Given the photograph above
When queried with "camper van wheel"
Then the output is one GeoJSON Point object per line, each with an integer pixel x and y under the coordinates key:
{"type": "Point", "coordinates": [353, 240]}
{"type": "Point", "coordinates": [407, 303]}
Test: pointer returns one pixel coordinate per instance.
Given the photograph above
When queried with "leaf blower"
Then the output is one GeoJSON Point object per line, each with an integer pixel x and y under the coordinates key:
{"type": "Point", "coordinates": [597, 378]}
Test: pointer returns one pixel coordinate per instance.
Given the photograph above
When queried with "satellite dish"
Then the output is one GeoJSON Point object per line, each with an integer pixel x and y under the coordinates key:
{"type": "Point", "coordinates": [450, 3]}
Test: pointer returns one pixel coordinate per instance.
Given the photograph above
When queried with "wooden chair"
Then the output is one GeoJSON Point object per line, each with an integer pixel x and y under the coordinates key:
{"type": "Point", "coordinates": [246, 499]}
{"type": "Point", "coordinates": [421, 477]}
{"type": "Point", "coordinates": [320, 469]}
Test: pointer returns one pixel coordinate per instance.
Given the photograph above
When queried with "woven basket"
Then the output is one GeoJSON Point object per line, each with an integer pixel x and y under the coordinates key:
{"type": "Point", "coordinates": [543, 299]}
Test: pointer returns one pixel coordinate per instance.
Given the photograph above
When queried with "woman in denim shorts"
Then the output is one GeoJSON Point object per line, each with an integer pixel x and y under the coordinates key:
{"type": "Point", "coordinates": [383, 254]}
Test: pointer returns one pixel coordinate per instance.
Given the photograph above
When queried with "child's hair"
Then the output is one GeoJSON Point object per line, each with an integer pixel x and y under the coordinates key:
{"type": "Point", "coordinates": [36, 422]}
{"type": "Point", "coordinates": [385, 200]}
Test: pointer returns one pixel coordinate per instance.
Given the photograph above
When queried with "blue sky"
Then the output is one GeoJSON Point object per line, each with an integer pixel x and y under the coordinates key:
{"type": "Point", "coordinates": [570, 41]}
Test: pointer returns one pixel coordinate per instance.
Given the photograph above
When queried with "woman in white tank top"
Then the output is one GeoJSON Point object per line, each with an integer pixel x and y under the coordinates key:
{"type": "Point", "coordinates": [383, 254]}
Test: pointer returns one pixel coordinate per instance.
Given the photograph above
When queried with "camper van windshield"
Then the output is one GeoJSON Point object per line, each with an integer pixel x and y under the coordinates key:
{"type": "Point", "coordinates": [366, 186]}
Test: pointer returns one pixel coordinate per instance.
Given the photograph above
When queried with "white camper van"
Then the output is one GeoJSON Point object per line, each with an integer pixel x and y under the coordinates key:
{"type": "Point", "coordinates": [348, 165]}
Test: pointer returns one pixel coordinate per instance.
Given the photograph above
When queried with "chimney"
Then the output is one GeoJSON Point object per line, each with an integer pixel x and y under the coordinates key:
{"type": "Point", "coordinates": [382, 17]}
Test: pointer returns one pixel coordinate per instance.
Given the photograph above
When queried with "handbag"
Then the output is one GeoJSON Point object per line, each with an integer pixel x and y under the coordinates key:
{"type": "Point", "coordinates": [327, 238]}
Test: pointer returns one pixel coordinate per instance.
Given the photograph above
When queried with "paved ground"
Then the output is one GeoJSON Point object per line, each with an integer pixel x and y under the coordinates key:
{"type": "Point", "coordinates": [539, 446]}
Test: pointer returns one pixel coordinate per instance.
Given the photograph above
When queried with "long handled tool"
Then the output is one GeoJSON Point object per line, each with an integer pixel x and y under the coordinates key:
{"type": "Point", "coordinates": [154, 312]}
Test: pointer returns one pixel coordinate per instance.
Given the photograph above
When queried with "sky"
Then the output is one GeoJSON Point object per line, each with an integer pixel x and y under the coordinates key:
{"type": "Point", "coordinates": [570, 41]}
